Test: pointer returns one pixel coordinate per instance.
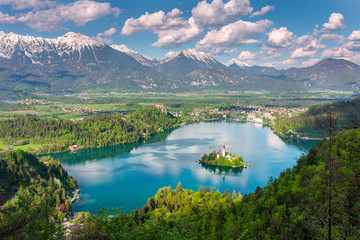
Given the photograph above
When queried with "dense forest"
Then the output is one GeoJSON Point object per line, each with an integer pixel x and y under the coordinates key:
{"type": "Point", "coordinates": [39, 190]}
{"type": "Point", "coordinates": [297, 205]}
{"type": "Point", "coordinates": [99, 130]}
{"type": "Point", "coordinates": [346, 113]}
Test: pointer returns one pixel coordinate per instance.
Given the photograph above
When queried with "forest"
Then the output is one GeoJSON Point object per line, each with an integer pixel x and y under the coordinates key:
{"type": "Point", "coordinates": [40, 187]}
{"type": "Point", "coordinates": [305, 202]}
{"type": "Point", "coordinates": [346, 113]}
{"type": "Point", "coordinates": [316, 199]}
{"type": "Point", "coordinates": [98, 130]}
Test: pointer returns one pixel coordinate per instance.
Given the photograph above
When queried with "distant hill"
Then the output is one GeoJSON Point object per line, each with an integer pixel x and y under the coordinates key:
{"type": "Point", "coordinates": [332, 74]}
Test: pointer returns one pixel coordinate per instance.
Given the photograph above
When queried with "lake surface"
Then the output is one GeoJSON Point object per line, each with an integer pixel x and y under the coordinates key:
{"type": "Point", "coordinates": [129, 174]}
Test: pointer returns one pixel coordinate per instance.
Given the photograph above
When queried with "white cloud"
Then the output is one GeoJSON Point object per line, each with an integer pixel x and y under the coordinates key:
{"type": "Point", "coordinates": [354, 43]}
{"type": "Point", "coordinates": [265, 53]}
{"type": "Point", "coordinates": [108, 32]}
{"type": "Point", "coordinates": [232, 35]}
{"type": "Point", "coordinates": [105, 40]}
{"type": "Point", "coordinates": [172, 37]}
{"type": "Point", "coordinates": [263, 11]}
{"type": "Point", "coordinates": [247, 55]}
{"type": "Point", "coordinates": [306, 46]}
{"type": "Point", "coordinates": [355, 36]}
{"type": "Point", "coordinates": [336, 22]}
{"type": "Point", "coordinates": [79, 12]}
{"type": "Point", "coordinates": [310, 62]}
{"type": "Point", "coordinates": [302, 53]}
{"type": "Point", "coordinates": [338, 38]}
{"type": "Point", "coordinates": [338, 52]}
{"type": "Point", "coordinates": [102, 37]}
{"type": "Point", "coordinates": [157, 21]}
{"type": "Point", "coordinates": [24, 4]}
{"type": "Point", "coordinates": [6, 18]}
{"type": "Point", "coordinates": [352, 46]}
{"type": "Point", "coordinates": [218, 14]}
{"type": "Point", "coordinates": [279, 38]}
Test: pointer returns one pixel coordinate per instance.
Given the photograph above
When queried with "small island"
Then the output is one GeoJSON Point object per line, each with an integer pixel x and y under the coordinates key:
{"type": "Point", "coordinates": [223, 158]}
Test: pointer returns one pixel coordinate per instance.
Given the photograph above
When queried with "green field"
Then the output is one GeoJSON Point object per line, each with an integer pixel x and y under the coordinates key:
{"type": "Point", "coordinates": [79, 106]}
{"type": "Point", "coordinates": [22, 147]}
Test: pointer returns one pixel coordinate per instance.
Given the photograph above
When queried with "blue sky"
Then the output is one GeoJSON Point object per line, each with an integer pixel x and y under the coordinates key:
{"type": "Point", "coordinates": [279, 33]}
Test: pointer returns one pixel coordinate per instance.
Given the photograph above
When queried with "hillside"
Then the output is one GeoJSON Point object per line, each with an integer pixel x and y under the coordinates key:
{"type": "Point", "coordinates": [347, 114]}
{"type": "Point", "coordinates": [39, 187]}
{"type": "Point", "coordinates": [332, 74]}
{"type": "Point", "coordinates": [98, 130]}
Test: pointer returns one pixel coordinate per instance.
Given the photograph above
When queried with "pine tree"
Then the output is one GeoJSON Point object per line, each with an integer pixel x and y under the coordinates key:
{"type": "Point", "coordinates": [178, 187]}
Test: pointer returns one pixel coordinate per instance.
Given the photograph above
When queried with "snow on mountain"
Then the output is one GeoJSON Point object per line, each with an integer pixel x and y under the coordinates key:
{"type": "Point", "coordinates": [234, 63]}
{"type": "Point", "coordinates": [186, 61]}
{"type": "Point", "coordinates": [144, 60]}
{"type": "Point", "coordinates": [190, 54]}
{"type": "Point", "coordinates": [45, 50]}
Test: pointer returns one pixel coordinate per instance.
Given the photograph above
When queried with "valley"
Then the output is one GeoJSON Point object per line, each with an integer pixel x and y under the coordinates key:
{"type": "Point", "coordinates": [75, 63]}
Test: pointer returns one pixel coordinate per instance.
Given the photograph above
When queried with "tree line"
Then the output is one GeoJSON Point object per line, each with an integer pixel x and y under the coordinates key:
{"type": "Point", "coordinates": [347, 112]}
{"type": "Point", "coordinates": [98, 130]}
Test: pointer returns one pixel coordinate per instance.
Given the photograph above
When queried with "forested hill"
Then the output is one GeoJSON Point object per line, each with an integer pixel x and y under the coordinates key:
{"type": "Point", "coordinates": [97, 130]}
{"type": "Point", "coordinates": [294, 206]}
{"type": "Point", "coordinates": [39, 187]}
{"type": "Point", "coordinates": [345, 113]}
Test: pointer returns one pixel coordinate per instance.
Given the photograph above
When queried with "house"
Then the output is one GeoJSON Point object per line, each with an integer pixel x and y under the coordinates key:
{"type": "Point", "coordinates": [218, 155]}
{"type": "Point", "coordinates": [161, 107]}
{"type": "Point", "coordinates": [73, 148]}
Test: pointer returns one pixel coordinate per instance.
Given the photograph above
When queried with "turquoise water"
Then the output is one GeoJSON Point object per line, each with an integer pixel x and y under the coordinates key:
{"type": "Point", "coordinates": [129, 174]}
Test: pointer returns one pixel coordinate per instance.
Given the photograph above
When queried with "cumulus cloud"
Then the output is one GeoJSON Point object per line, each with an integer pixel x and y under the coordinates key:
{"type": "Point", "coordinates": [233, 35]}
{"type": "Point", "coordinates": [157, 21]}
{"type": "Point", "coordinates": [24, 4]}
{"type": "Point", "coordinates": [171, 38]}
{"type": "Point", "coordinates": [338, 52]}
{"type": "Point", "coordinates": [108, 32]}
{"type": "Point", "coordinates": [279, 38]}
{"type": "Point", "coordinates": [102, 37]}
{"type": "Point", "coordinates": [218, 13]}
{"type": "Point", "coordinates": [306, 46]}
{"type": "Point", "coordinates": [172, 30]}
{"type": "Point", "coordinates": [265, 53]}
{"type": "Point", "coordinates": [302, 53]}
{"type": "Point", "coordinates": [6, 18]}
{"type": "Point", "coordinates": [263, 11]}
{"type": "Point", "coordinates": [338, 38]}
{"type": "Point", "coordinates": [310, 62]}
{"type": "Point", "coordinates": [352, 46]}
{"type": "Point", "coordinates": [79, 12]}
{"type": "Point", "coordinates": [336, 22]}
{"type": "Point", "coordinates": [355, 36]}
{"type": "Point", "coordinates": [247, 55]}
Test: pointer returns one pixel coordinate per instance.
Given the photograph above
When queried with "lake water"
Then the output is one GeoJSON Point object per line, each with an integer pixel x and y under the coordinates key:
{"type": "Point", "coordinates": [129, 174]}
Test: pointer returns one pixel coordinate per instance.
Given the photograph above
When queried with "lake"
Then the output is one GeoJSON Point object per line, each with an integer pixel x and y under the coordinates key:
{"type": "Point", "coordinates": [127, 175]}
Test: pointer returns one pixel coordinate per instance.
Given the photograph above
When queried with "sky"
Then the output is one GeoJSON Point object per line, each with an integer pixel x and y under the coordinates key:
{"type": "Point", "coordinates": [273, 33]}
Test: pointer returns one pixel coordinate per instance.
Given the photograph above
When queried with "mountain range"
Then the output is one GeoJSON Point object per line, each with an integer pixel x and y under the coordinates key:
{"type": "Point", "coordinates": [76, 63]}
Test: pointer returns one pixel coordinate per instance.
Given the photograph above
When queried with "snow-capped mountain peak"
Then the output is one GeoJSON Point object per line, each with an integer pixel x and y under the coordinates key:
{"type": "Point", "coordinates": [190, 54]}
{"type": "Point", "coordinates": [144, 60]}
{"type": "Point", "coordinates": [77, 41]}
{"type": "Point", "coordinates": [234, 62]}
